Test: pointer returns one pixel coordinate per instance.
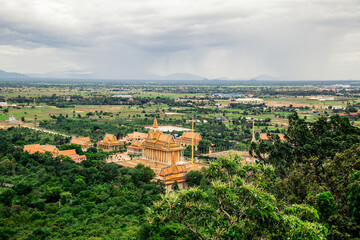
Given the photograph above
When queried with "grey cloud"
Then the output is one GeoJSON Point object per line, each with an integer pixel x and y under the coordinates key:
{"type": "Point", "coordinates": [213, 38]}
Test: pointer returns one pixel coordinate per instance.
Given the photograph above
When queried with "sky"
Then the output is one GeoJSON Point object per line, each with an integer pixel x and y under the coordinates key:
{"type": "Point", "coordinates": [132, 39]}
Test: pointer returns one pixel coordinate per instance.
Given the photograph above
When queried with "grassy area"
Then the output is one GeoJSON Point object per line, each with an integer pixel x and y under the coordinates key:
{"type": "Point", "coordinates": [130, 112]}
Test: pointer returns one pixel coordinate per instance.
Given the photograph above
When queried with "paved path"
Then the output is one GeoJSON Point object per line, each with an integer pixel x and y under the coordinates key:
{"type": "Point", "coordinates": [48, 131]}
{"type": "Point", "coordinates": [6, 125]}
{"type": "Point", "coordinates": [45, 130]}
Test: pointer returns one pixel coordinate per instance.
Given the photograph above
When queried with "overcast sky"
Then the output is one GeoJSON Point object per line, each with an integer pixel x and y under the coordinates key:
{"type": "Point", "coordinates": [295, 39]}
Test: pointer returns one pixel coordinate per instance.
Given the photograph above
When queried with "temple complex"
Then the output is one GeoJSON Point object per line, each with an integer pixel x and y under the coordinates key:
{"type": "Point", "coordinates": [84, 142]}
{"type": "Point", "coordinates": [161, 147]}
{"type": "Point", "coordinates": [188, 137]}
{"type": "Point", "coordinates": [164, 156]}
{"type": "Point", "coordinates": [110, 143]}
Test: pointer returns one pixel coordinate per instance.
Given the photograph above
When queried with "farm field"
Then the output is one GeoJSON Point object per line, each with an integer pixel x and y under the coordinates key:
{"type": "Point", "coordinates": [171, 104]}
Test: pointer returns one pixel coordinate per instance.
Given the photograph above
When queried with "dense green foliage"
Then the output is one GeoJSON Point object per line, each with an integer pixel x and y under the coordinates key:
{"type": "Point", "coordinates": [46, 198]}
{"type": "Point", "coordinates": [318, 164]}
{"type": "Point", "coordinates": [23, 136]}
{"type": "Point", "coordinates": [306, 187]}
{"type": "Point", "coordinates": [93, 128]}
{"type": "Point", "coordinates": [321, 139]}
{"type": "Point", "coordinates": [234, 204]}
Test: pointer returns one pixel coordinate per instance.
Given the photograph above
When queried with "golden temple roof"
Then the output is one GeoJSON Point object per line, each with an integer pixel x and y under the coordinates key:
{"type": "Point", "coordinates": [110, 140]}
{"type": "Point", "coordinates": [135, 145]}
{"type": "Point", "coordinates": [173, 173]}
{"type": "Point", "coordinates": [136, 136]}
{"type": "Point", "coordinates": [81, 141]}
{"type": "Point", "coordinates": [33, 148]}
{"type": "Point", "coordinates": [160, 141]}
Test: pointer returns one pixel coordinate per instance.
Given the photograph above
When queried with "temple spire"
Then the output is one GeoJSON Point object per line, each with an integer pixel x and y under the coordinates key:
{"type": "Point", "coordinates": [253, 140]}
{"type": "Point", "coordinates": [253, 132]}
{"type": "Point", "coordinates": [155, 125]}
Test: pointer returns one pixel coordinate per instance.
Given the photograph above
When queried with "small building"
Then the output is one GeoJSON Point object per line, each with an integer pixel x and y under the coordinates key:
{"type": "Point", "coordinates": [136, 136]}
{"type": "Point", "coordinates": [33, 148]}
{"type": "Point", "coordinates": [122, 96]}
{"type": "Point", "coordinates": [5, 104]}
{"type": "Point", "coordinates": [250, 100]}
{"type": "Point", "coordinates": [12, 120]}
{"type": "Point", "coordinates": [73, 155]}
{"type": "Point", "coordinates": [187, 138]}
{"type": "Point", "coordinates": [109, 143]}
{"type": "Point", "coordinates": [168, 175]}
{"type": "Point", "coordinates": [135, 148]}
{"type": "Point", "coordinates": [84, 142]}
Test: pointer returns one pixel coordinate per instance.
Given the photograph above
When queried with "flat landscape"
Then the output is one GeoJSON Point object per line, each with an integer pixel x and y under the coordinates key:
{"type": "Point", "coordinates": [259, 131]}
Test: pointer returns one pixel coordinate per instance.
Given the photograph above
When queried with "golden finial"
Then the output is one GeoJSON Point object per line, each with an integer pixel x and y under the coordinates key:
{"type": "Point", "coordinates": [155, 125]}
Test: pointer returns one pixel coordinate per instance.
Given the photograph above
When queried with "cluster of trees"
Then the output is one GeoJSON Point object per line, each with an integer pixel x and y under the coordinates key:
{"type": "Point", "coordinates": [23, 136]}
{"type": "Point", "coordinates": [94, 128]}
{"type": "Point", "coordinates": [318, 164]}
{"type": "Point", "coordinates": [307, 187]}
{"type": "Point", "coordinates": [42, 197]}
{"type": "Point", "coordinates": [230, 201]}
{"type": "Point", "coordinates": [72, 100]}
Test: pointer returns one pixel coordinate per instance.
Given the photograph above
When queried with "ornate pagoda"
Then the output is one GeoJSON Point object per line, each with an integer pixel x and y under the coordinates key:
{"type": "Point", "coordinates": [109, 143]}
{"type": "Point", "coordinates": [161, 147]}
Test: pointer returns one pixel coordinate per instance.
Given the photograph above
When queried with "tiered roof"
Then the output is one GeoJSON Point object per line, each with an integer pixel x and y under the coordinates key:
{"type": "Point", "coordinates": [85, 141]}
{"type": "Point", "coordinates": [73, 155]}
{"type": "Point", "coordinates": [173, 173]}
{"type": "Point", "coordinates": [33, 148]}
{"type": "Point", "coordinates": [160, 141]}
{"type": "Point", "coordinates": [188, 136]}
{"type": "Point", "coordinates": [110, 140]}
{"type": "Point", "coordinates": [136, 145]}
{"type": "Point", "coordinates": [136, 136]}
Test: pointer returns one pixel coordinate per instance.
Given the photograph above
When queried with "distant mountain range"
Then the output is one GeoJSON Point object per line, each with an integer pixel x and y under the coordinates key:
{"type": "Point", "coordinates": [76, 74]}
{"type": "Point", "coordinates": [183, 76]}
{"type": "Point", "coordinates": [12, 75]}
{"type": "Point", "coordinates": [264, 77]}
